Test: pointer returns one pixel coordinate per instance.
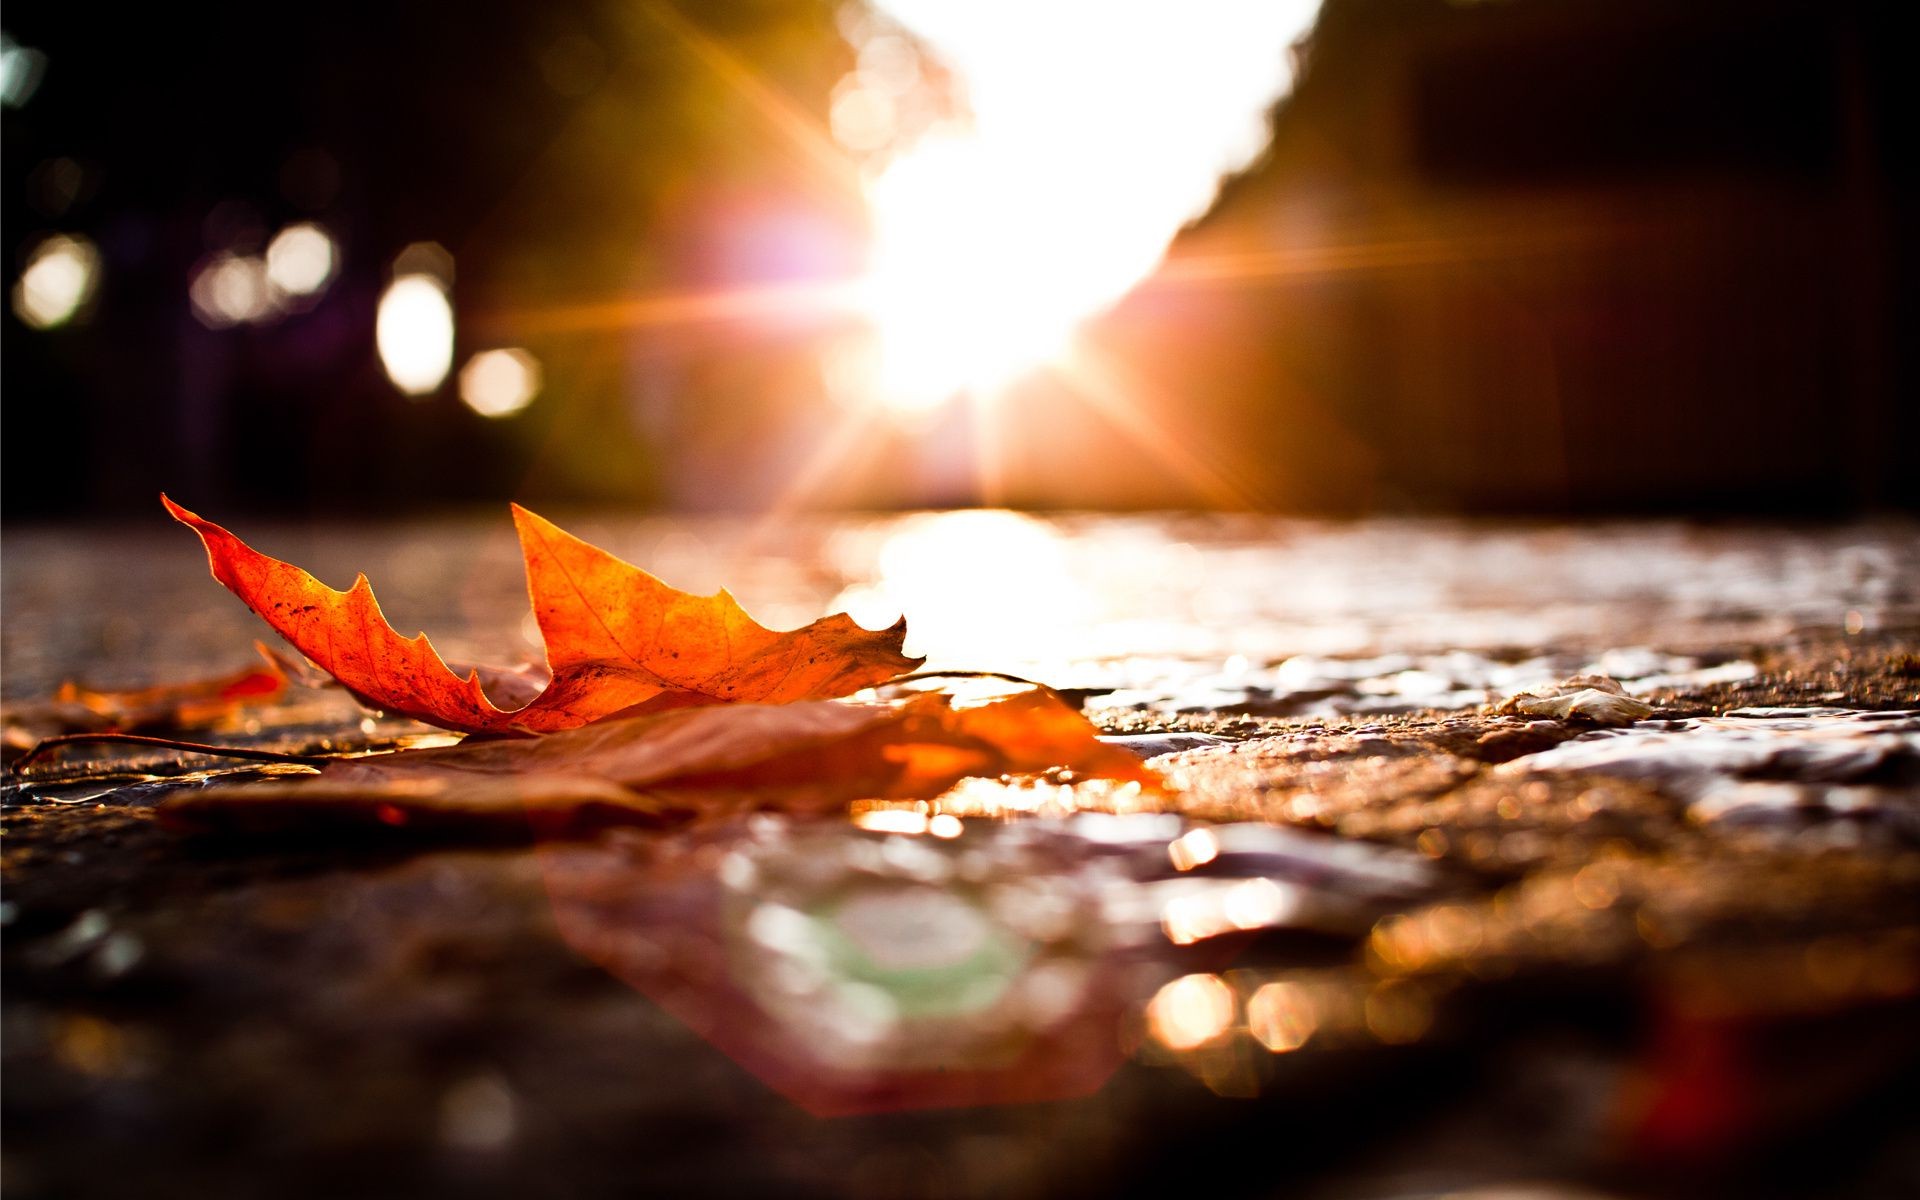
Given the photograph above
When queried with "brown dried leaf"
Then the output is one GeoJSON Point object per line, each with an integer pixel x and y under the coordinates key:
{"type": "Point", "coordinates": [1597, 699]}
{"type": "Point", "coordinates": [809, 756]}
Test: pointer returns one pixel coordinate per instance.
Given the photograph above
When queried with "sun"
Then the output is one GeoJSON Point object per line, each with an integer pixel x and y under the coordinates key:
{"type": "Point", "coordinates": [996, 233]}
{"type": "Point", "coordinates": [969, 285]}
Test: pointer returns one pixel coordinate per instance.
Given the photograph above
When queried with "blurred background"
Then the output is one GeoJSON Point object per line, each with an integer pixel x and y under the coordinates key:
{"type": "Point", "coordinates": [1356, 256]}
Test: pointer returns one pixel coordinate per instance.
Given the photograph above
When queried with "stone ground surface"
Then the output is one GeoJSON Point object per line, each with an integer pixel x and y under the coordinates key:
{"type": "Point", "coordinates": [1386, 944]}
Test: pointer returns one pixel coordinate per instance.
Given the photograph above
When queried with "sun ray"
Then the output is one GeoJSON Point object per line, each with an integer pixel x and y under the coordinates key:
{"type": "Point", "coordinates": [746, 302]}
{"type": "Point", "coordinates": [1116, 394]}
{"type": "Point", "coordinates": [842, 443]}
{"type": "Point", "coordinates": [988, 419]}
{"type": "Point", "coordinates": [1255, 266]}
{"type": "Point", "coordinates": [800, 129]}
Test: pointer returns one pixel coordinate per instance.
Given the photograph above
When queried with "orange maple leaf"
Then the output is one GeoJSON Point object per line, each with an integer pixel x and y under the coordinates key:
{"type": "Point", "coordinates": [617, 639]}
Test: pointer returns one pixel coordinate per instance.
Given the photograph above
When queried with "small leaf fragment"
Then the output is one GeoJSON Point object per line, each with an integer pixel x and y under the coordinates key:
{"type": "Point", "coordinates": [160, 708]}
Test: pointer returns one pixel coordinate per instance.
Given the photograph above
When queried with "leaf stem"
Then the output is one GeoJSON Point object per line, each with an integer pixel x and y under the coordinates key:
{"type": "Point", "coordinates": [47, 745]}
{"type": "Point", "coordinates": [1002, 675]}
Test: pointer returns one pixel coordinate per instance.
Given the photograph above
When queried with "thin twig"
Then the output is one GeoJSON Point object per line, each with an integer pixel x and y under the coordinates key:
{"type": "Point", "coordinates": [47, 745]}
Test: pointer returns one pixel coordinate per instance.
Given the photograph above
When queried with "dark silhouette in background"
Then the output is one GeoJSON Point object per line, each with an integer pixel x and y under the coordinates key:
{"type": "Point", "coordinates": [1520, 255]}
{"type": "Point", "coordinates": [1563, 256]}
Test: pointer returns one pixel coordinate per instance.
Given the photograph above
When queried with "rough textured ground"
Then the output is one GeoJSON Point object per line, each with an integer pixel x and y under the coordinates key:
{"type": "Point", "coordinates": [1488, 972]}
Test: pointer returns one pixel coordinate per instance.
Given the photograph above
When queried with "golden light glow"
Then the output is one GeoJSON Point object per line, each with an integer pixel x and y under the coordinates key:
{"type": "Point", "coordinates": [862, 118]}
{"type": "Point", "coordinates": [1256, 903]}
{"type": "Point", "coordinates": [414, 333]}
{"type": "Point", "coordinates": [891, 820]}
{"type": "Point", "coordinates": [1189, 919]}
{"type": "Point", "coordinates": [1193, 848]}
{"type": "Point", "coordinates": [888, 64]}
{"type": "Point", "coordinates": [968, 287]}
{"type": "Point", "coordinates": [995, 238]}
{"type": "Point", "coordinates": [1282, 1016]}
{"type": "Point", "coordinates": [1398, 1013]}
{"type": "Point", "coordinates": [980, 588]}
{"type": "Point", "coordinates": [59, 279]}
{"type": "Point", "coordinates": [1250, 904]}
{"type": "Point", "coordinates": [994, 799]}
{"type": "Point", "coordinates": [882, 818]}
{"type": "Point", "coordinates": [499, 383]}
{"type": "Point", "coordinates": [1191, 1011]}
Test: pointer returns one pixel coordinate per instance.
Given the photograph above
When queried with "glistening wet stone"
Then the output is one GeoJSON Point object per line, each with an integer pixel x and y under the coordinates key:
{"type": "Point", "coordinates": [1376, 923]}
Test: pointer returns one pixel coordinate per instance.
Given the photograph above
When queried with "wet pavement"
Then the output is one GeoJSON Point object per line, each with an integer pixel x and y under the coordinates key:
{"type": "Point", "coordinates": [1381, 941]}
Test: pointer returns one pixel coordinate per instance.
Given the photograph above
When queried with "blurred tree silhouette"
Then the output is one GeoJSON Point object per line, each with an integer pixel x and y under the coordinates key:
{"type": "Point", "coordinates": [1586, 255]}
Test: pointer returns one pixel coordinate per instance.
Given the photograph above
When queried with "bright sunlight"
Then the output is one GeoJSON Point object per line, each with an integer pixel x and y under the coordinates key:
{"type": "Point", "coordinates": [1091, 133]}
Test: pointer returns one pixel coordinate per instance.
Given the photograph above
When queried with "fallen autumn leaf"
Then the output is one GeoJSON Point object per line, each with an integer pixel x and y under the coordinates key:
{"type": "Point", "coordinates": [194, 704]}
{"type": "Point", "coordinates": [805, 756]}
{"type": "Point", "coordinates": [617, 640]}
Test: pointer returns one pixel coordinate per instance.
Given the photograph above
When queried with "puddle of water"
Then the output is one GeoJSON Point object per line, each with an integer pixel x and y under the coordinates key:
{"type": "Point", "coordinates": [856, 970]}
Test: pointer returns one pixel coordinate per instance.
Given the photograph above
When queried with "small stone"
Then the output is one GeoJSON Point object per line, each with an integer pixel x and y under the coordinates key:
{"type": "Point", "coordinates": [1596, 699]}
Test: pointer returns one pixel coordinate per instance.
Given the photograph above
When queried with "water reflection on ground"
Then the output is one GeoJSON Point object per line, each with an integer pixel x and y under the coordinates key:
{"type": "Point", "coordinates": [1099, 602]}
{"type": "Point", "coordinates": [975, 962]}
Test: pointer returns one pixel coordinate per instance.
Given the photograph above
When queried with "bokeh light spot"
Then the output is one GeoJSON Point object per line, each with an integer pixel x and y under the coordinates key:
{"type": "Point", "coordinates": [61, 275]}
{"type": "Point", "coordinates": [891, 820]}
{"type": "Point", "coordinates": [301, 260]}
{"type": "Point", "coordinates": [21, 69]}
{"type": "Point", "coordinates": [499, 383]}
{"type": "Point", "coordinates": [414, 333]}
{"type": "Point", "coordinates": [1193, 848]}
{"type": "Point", "coordinates": [862, 118]}
{"type": "Point", "coordinates": [1191, 1011]}
{"type": "Point", "coordinates": [1282, 1016]}
{"type": "Point", "coordinates": [889, 64]}
{"type": "Point", "coordinates": [232, 289]}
